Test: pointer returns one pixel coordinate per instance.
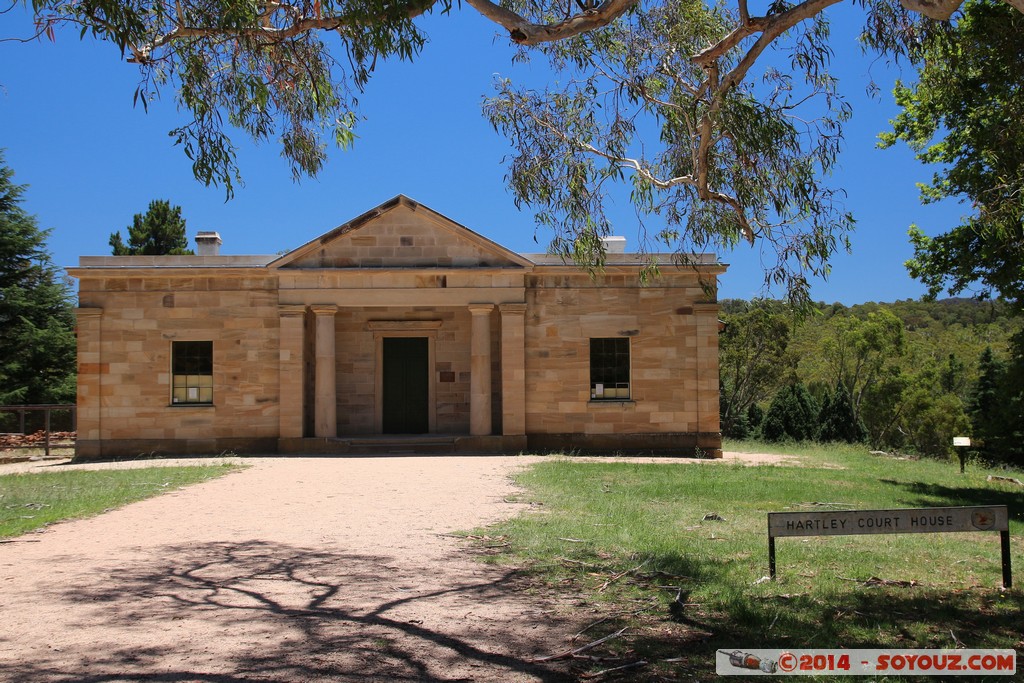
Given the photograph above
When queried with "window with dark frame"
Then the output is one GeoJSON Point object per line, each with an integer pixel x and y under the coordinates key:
{"type": "Point", "coordinates": [609, 368]}
{"type": "Point", "coordinates": [191, 372]}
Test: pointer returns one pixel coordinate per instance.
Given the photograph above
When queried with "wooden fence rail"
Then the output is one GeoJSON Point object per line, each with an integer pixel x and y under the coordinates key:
{"type": "Point", "coordinates": [47, 410]}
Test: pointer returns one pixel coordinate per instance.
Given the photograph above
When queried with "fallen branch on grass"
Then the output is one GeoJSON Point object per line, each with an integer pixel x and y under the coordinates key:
{"type": "Point", "coordinates": [598, 674]}
{"type": "Point", "coordinates": [582, 564]}
{"type": "Point", "coordinates": [619, 576]}
{"type": "Point", "coordinates": [875, 581]}
{"type": "Point", "coordinates": [590, 626]}
{"type": "Point", "coordinates": [615, 615]}
{"type": "Point", "coordinates": [816, 504]}
{"type": "Point", "coordinates": [658, 572]}
{"type": "Point", "coordinates": [568, 654]}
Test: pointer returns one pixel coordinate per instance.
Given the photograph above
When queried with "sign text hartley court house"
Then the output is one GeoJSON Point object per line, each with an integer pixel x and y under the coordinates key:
{"type": "Point", "coordinates": [928, 520]}
{"type": "Point", "coordinates": [903, 521]}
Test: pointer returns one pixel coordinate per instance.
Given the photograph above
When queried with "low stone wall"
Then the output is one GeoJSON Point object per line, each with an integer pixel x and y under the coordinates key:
{"type": "Point", "coordinates": [134, 448]}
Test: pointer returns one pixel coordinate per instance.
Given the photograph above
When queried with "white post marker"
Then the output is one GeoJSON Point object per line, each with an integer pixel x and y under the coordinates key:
{"type": "Point", "coordinates": [961, 443]}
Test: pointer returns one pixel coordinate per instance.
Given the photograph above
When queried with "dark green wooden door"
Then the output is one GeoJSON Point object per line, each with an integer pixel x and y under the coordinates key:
{"type": "Point", "coordinates": [406, 392]}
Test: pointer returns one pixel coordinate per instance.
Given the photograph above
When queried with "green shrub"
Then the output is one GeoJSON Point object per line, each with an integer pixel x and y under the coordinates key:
{"type": "Point", "coordinates": [793, 414]}
{"type": "Point", "coordinates": [837, 420]}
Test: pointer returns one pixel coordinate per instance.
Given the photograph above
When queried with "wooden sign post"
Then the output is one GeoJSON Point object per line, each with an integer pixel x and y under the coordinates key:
{"type": "Point", "coordinates": [906, 521]}
{"type": "Point", "coordinates": [961, 444]}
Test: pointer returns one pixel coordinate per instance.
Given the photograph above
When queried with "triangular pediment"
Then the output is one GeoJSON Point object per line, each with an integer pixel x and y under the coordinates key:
{"type": "Point", "coordinates": [401, 233]}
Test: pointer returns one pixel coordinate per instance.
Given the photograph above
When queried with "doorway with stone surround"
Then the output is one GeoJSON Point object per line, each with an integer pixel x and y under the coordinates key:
{"type": "Point", "coordinates": [406, 385]}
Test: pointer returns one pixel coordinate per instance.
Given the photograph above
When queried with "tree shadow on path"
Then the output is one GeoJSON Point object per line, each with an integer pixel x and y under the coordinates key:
{"type": "Point", "coordinates": [262, 611]}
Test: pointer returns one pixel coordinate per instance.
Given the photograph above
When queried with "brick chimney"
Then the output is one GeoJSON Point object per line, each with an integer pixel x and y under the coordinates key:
{"type": "Point", "coordinates": [208, 243]}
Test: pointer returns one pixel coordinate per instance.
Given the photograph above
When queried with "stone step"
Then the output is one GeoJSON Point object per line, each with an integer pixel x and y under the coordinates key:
{"type": "Point", "coordinates": [401, 445]}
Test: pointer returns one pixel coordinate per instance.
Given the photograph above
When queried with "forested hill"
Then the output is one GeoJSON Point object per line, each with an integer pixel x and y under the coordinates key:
{"type": "Point", "coordinates": [945, 312]}
{"type": "Point", "coordinates": [913, 313]}
{"type": "Point", "coordinates": [907, 375]}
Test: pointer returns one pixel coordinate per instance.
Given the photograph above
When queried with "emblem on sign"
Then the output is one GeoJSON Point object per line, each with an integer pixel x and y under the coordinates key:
{"type": "Point", "coordinates": [983, 520]}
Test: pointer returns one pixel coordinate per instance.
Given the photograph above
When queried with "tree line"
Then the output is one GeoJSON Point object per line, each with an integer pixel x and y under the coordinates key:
{"type": "Point", "coordinates": [719, 122]}
{"type": "Point", "coordinates": [37, 320]}
{"type": "Point", "coordinates": [734, 123]}
{"type": "Point", "coordinates": [905, 376]}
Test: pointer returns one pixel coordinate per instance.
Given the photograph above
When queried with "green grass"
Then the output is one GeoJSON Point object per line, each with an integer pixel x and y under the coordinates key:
{"type": "Point", "coordinates": [687, 587]}
{"type": "Point", "coordinates": [33, 500]}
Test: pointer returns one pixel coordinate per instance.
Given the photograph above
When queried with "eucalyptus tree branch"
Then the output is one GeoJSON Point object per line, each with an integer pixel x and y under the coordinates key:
{"type": "Point", "coordinates": [266, 32]}
{"type": "Point", "coordinates": [771, 26]}
{"type": "Point", "coordinates": [744, 12]}
{"type": "Point", "coordinates": [521, 30]}
{"type": "Point", "coordinates": [942, 10]}
{"type": "Point", "coordinates": [525, 32]}
{"type": "Point", "coordinates": [661, 183]}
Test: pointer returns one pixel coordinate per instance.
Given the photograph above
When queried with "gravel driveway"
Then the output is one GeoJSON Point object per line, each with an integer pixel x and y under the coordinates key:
{"type": "Point", "coordinates": [296, 569]}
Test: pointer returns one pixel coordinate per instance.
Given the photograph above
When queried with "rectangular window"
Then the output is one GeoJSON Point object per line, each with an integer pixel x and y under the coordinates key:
{"type": "Point", "coordinates": [192, 372]}
{"type": "Point", "coordinates": [609, 368]}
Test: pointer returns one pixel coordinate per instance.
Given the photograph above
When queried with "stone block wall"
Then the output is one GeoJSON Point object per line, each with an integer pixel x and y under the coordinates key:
{"type": "Point", "coordinates": [131, 324]}
{"type": "Point", "coordinates": [357, 358]}
{"type": "Point", "coordinates": [403, 238]}
{"type": "Point", "coordinates": [673, 356]}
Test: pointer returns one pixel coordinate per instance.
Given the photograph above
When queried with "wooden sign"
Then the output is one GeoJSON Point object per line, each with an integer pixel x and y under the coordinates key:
{"type": "Point", "coordinates": [901, 521]}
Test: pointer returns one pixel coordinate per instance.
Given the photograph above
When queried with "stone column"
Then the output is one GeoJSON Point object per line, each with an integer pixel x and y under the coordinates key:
{"type": "Point", "coordinates": [90, 380]}
{"type": "Point", "coordinates": [480, 370]}
{"type": "Point", "coordinates": [513, 369]}
{"type": "Point", "coordinates": [708, 418]}
{"type": "Point", "coordinates": [292, 395]}
{"type": "Point", "coordinates": [326, 408]}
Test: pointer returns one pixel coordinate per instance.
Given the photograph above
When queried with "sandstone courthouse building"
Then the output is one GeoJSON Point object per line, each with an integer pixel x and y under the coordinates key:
{"type": "Point", "coordinates": [400, 329]}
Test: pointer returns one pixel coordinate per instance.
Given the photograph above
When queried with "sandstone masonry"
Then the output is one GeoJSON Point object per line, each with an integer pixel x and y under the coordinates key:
{"type": "Point", "coordinates": [398, 322]}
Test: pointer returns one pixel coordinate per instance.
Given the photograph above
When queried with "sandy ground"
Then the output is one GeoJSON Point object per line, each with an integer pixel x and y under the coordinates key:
{"type": "Point", "coordinates": [295, 569]}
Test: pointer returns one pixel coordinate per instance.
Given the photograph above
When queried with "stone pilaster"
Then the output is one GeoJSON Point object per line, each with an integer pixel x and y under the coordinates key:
{"type": "Point", "coordinates": [480, 370]}
{"type": "Point", "coordinates": [708, 416]}
{"type": "Point", "coordinates": [292, 396]}
{"type": "Point", "coordinates": [513, 369]}
{"type": "Point", "coordinates": [326, 397]}
{"type": "Point", "coordinates": [90, 380]}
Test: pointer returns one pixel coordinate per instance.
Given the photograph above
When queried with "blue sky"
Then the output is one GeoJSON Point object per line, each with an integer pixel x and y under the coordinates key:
{"type": "Point", "coordinates": [92, 160]}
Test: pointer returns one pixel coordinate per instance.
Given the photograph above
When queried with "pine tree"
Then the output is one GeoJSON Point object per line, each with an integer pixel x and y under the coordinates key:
{"type": "Point", "coordinates": [837, 421]}
{"type": "Point", "coordinates": [985, 404]}
{"type": "Point", "coordinates": [755, 417]}
{"type": "Point", "coordinates": [793, 414]}
{"type": "Point", "coordinates": [1013, 393]}
{"type": "Point", "coordinates": [158, 232]}
{"type": "Point", "coordinates": [37, 342]}
{"type": "Point", "coordinates": [997, 404]}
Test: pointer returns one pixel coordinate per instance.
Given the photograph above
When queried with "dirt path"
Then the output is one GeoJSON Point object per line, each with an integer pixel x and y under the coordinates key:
{"type": "Point", "coordinates": [296, 569]}
{"type": "Point", "coordinates": [293, 570]}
